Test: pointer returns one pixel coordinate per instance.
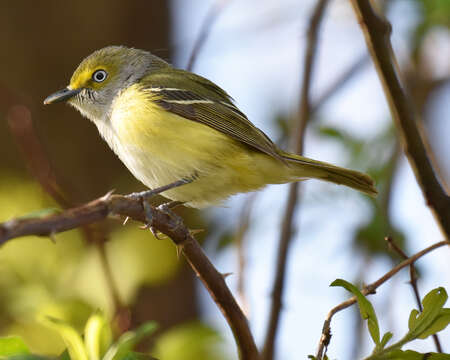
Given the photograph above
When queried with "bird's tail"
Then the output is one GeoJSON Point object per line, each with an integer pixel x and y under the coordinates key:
{"type": "Point", "coordinates": [304, 168]}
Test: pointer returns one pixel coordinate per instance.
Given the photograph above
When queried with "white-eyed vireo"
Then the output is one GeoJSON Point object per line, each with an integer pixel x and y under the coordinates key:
{"type": "Point", "coordinates": [172, 126]}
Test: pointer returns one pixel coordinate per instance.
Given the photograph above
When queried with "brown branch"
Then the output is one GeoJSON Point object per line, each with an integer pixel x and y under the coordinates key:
{"type": "Point", "coordinates": [413, 281]}
{"type": "Point", "coordinates": [297, 145]}
{"type": "Point", "coordinates": [377, 31]}
{"type": "Point", "coordinates": [212, 15]}
{"type": "Point", "coordinates": [111, 205]}
{"type": "Point", "coordinates": [367, 290]}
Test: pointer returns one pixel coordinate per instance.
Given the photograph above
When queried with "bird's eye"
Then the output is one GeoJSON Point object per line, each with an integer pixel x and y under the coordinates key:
{"type": "Point", "coordinates": [99, 75]}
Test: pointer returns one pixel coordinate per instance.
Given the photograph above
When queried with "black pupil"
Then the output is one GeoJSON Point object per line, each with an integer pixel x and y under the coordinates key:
{"type": "Point", "coordinates": [99, 76]}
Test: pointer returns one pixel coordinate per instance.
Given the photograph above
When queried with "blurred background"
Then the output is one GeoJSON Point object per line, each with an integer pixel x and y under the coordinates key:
{"type": "Point", "coordinates": [255, 52]}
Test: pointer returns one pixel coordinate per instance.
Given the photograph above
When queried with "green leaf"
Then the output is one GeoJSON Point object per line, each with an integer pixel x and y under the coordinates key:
{"type": "Point", "coordinates": [412, 321]}
{"type": "Point", "coordinates": [365, 308]}
{"type": "Point", "coordinates": [64, 355]}
{"type": "Point", "coordinates": [70, 337]}
{"type": "Point", "coordinates": [414, 355]}
{"type": "Point", "coordinates": [439, 323]}
{"type": "Point", "coordinates": [332, 132]}
{"type": "Point", "coordinates": [403, 355]}
{"type": "Point", "coordinates": [433, 317]}
{"type": "Point", "coordinates": [354, 144]}
{"type": "Point", "coordinates": [385, 339]}
{"type": "Point", "coordinates": [12, 345]}
{"type": "Point", "coordinates": [97, 336]}
{"type": "Point", "coordinates": [225, 240]}
{"type": "Point", "coordinates": [129, 340]}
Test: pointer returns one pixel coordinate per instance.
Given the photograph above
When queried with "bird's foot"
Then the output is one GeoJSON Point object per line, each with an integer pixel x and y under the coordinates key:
{"type": "Point", "coordinates": [166, 209]}
{"type": "Point", "coordinates": [144, 196]}
{"type": "Point", "coordinates": [176, 220]}
{"type": "Point", "coordinates": [148, 212]}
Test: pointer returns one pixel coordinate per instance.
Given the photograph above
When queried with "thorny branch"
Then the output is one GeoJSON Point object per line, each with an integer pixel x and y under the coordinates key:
{"type": "Point", "coordinates": [368, 290]}
{"type": "Point", "coordinates": [377, 31]}
{"type": "Point", "coordinates": [297, 145]}
{"type": "Point", "coordinates": [116, 205]}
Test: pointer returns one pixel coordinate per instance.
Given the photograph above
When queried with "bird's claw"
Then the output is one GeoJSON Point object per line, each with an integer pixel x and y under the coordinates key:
{"type": "Point", "coordinates": [155, 233]}
{"type": "Point", "coordinates": [166, 209]}
{"type": "Point", "coordinates": [149, 218]}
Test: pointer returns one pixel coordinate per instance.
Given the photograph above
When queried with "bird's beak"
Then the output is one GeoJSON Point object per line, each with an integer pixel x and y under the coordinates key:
{"type": "Point", "coordinates": [61, 95]}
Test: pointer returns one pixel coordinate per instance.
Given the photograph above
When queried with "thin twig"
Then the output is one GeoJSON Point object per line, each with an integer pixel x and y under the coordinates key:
{"type": "Point", "coordinates": [122, 315]}
{"type": "Point", "coordinates": [413, 282]}
{"type": "Point", "coordinates": [340, 82]}
{"type": "Point", "coordinates": [242, 229]}
{"type": "Point", "coordinates": [21, 126]}
{"type": "Point", "coordinates": [377, 31]}
{"type": "Point", "coordinates": [367, 290]}
{"type": "Point", "coordinates": [212, 15]}
{"type": "Point", "coordinates": [111, 205]}
{"type": "Point", "coordinates": [346, 76]}
{"type": "Point", "coordinates": [297, 146]}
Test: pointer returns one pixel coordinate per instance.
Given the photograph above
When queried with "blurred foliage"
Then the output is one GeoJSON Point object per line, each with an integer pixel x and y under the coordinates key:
{"type": "Point", "coordinates": [34, 283]}
{"type": "Point", "coordinates": [380, 156]}
{"type": "Point", "coordinates": [12, 345]}
{"type": "Point", "coordinates": [225, 240]}
{"type": "Point", "coordinates": [434, 13]}
{"type": "Point", "coordinates": [191, 341]}
{"type": "Point", "coordinates": [194, 341]}
{"type": "Point", "coordinates": [96, 343]}
{"type": "Point", "coordinates": [137, 258]}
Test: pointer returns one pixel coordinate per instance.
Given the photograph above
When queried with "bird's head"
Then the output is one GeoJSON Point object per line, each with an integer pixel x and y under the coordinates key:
{"type": "Point", "coordinates": [101, 76]}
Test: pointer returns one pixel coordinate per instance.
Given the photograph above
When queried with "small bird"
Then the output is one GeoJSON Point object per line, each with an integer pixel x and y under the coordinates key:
{"type": "Point", "coordinates": [178, 131]}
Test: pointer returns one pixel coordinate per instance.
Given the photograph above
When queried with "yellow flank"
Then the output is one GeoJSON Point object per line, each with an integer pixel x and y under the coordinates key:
{"type": "Point", "coordinates": [161, 147]}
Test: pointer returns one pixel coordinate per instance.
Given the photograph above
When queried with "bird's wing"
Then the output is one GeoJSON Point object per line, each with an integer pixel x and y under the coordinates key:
{"type": "Point", "coordinates": [198, 99]}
